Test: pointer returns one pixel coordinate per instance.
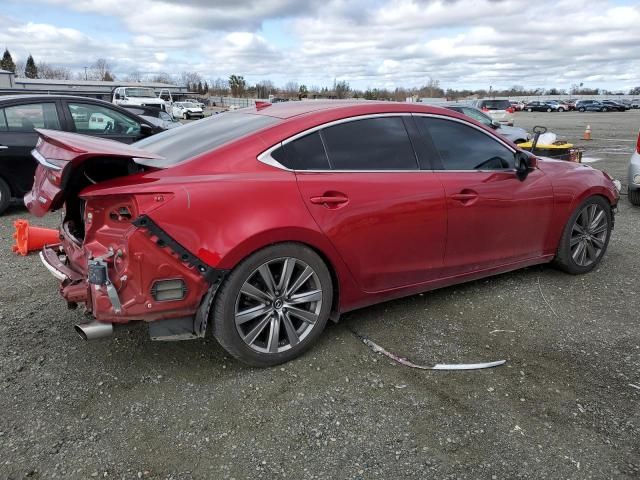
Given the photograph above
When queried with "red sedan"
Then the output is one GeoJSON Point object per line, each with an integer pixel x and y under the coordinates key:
{"type": "Point", "coordinates": [268, 221]}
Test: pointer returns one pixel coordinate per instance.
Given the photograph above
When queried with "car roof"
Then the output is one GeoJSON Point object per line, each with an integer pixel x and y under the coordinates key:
{"type": "Point", "coordinates": [11, 98]}
{"type": "Point", "coordinates": [285, 110]}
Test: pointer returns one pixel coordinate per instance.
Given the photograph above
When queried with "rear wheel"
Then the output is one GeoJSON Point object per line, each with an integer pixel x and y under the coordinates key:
{"type": "Point", "coordinates": [604, 109]}
{"type": "Point", "coordinates": [5, 195]}
{"type": "Point", "coordinates": [561, 109]}
{"type": "Point", "coordinates": [585, 237]}
{"type": "Point", "coordinates": [634, 197]}
{"type": "Point", "coordinates": [529, 109]}
{"type": "Point", "coordinates": [274, 305]}
{"type": "Point", "coordinates": [548, 109]}
{"type": "Point", "coordinates": [582, 109]}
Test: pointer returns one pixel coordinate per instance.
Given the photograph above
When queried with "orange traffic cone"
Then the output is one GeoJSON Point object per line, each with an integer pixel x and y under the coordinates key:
{"type": "Point", "coordinates": [587, 133]}
{"type": "Point", "coordinates": [30, 238]}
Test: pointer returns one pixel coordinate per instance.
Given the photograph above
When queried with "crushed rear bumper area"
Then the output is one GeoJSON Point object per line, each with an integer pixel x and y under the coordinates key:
{"type": "Point", "coordinates": [135, 278]}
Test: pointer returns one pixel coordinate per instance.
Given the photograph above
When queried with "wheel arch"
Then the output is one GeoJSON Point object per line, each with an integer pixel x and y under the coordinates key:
{"type": "Point", "coordinates": [341, 278]}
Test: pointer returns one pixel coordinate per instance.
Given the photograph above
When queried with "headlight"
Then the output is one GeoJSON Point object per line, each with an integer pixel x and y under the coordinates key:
{"type": "Point", "coordinates": [636, 179]}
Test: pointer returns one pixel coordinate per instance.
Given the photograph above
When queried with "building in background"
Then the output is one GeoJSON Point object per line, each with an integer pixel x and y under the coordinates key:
{"type": "Point", "coordinates": [12, 85]}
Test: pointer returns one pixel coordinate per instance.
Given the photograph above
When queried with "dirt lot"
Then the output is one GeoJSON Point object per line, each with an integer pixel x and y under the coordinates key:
{"type": "Point", "coordinates": [564, 406]}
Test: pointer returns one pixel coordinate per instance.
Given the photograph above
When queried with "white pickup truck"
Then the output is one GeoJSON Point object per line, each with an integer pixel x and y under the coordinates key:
{"type": "Point", "coordinates": [141, 96]}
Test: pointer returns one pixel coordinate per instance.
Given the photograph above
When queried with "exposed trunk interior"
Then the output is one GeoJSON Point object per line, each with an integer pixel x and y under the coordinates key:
{"type": "Point", "coordinates": [91, 172]}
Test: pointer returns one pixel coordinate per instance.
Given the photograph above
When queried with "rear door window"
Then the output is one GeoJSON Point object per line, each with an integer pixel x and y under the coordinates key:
{"type": "Point", "coordinates": [462, 147]}
{"type": "Point", "coordinates": [24, 118]}
{"type": "Point", "coordinates": [305, 153]}
{"type": "Point", "coordinates": [370, 144]}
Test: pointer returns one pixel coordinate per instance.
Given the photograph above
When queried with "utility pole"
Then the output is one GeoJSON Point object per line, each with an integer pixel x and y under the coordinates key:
{"type": "Point", "coordinates": [85, 73]}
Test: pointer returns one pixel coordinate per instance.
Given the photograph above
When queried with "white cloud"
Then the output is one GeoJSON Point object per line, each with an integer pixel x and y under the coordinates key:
{"type": "Point", "coordinates": [462, 43]}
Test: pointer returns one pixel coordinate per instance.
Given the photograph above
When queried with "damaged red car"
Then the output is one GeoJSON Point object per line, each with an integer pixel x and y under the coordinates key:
{"type": "Point", "coordinates": [266, 222]}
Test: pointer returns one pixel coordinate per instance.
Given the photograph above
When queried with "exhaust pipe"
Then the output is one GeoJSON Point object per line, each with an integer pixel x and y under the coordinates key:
{"type": "Point", "coordinates": [94, 330]}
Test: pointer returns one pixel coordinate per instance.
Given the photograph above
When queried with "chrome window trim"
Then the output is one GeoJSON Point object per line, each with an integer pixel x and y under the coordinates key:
{"type": "Point", "coordinates": [266, 158]}
{"type": "Point", "coordinates": [43, 161]}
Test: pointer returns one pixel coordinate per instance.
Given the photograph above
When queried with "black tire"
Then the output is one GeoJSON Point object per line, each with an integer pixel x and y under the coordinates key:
{"type": "Point", "coordinates": [529, 109]}
{"type": "Point", "coordinates": [229, 297]}
{"type": "Point", "coordinates": [5, 196]}
{"type": "Point", "coordinates": [604, 109]}
{"type": "Point", "coordinates": [564, 258]}
{"type": "Point", "coordinates": [582, 109]}
{"type": "Point", "coordinates": [561, 110]}
{"type": "Point", "coordinates": [634, 197]}
{"type": "Point", "coordinates": [548, 110]}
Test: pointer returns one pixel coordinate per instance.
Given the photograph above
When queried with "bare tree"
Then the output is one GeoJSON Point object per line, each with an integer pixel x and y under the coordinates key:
{"type": "Point", "coordinates": [133, 77]}
{"type": "Point", "coordinates": [101, 70]}
{"type": "Point", "coordinates": [220, 86]}
{"type": "Point", "coordinates": [291, 89]}
{"type": "Point", "coordinates": [48, 71]}
{"type": "Point", "coordinates": [161, 77]}
{"type": "Point", "coordinates": [265, 88]}
{"type": "Point", "coordinates": [190, 79]}
{"type": "Point", "coordinates": [20, 64]}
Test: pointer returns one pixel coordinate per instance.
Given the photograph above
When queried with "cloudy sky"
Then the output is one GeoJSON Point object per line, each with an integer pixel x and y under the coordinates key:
{"type": "Point", "coordinates": [369, 43]}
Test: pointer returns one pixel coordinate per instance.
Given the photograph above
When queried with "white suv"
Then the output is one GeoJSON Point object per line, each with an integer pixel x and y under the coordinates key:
{"type": "Point", "coordinates": [500, 110]}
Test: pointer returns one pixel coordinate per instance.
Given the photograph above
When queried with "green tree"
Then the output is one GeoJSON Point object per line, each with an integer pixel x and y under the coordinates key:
{"type": "Point", "coordinates": [30, 69]}
{"type": "Point", "coordinates": [7, 62]}
{"type": "Point", "coordinates": [205, 87]}
{"type": "Point", "coordinates": [238, 85]}
{"type": "Point", "coordinates": [634, 91]}
{"type": "Point", "coordinates": [199, 87]}
{"type": "Point", "coordinates": [303, 92]}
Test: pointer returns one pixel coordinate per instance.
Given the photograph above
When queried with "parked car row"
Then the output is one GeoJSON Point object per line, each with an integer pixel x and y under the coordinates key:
{"type": "Point", "coordinates": [579, 105]}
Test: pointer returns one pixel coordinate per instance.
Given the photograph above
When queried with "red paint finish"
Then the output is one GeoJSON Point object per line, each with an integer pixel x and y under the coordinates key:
{"type": "Point", "coordinates": [390, 229]}
{"type": "Point", "coordinates": [494, 218]}
{"type": "Point", "coordinates": [383, 234]}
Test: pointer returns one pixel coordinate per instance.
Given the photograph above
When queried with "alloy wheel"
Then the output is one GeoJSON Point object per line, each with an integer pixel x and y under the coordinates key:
{"type": "Point", "coordinates": [589, 235]}
{"type": "Point", "coordinates": [278, 305]}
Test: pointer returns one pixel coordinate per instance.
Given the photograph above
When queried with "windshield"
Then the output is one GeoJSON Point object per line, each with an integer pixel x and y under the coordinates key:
{"type": "Point", "coordinates": [202, 136]}
{"type": "Point", "coordinates": [189, 105]}
{"type": "Point", "coordinates": [139, 92]}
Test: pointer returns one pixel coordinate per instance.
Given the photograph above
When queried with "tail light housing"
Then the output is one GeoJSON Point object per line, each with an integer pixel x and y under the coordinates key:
{"type": "Point", "coordinates": [485, 109]}
{"type": "Point", "coordinates": [511, 110]}
{"type": "Point", "coordinates": [638, 143]}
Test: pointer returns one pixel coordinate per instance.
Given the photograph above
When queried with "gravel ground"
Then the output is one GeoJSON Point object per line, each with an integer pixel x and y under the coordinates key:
{"type": "Point", "coordinates": [564, 405]}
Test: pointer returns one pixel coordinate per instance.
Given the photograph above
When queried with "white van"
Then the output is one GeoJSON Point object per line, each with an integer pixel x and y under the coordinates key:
{"type": "Point", "coordinates": [141, 96]}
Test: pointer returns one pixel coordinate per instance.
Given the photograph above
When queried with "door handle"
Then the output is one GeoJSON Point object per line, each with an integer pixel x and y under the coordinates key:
{"type": "Point", "coordinates": [465, 196]}
{"type": "Point", "coordinates": [330, 200]}
{"type": "Point", "coordinates": [3, 147]}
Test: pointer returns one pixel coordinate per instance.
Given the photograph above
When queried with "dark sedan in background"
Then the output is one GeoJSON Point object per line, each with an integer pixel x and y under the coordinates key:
{"type": "Point", "coordinates": [21, 114]}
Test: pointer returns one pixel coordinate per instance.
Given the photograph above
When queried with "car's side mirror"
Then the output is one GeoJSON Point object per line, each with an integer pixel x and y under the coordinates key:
{"type": "Point", "coordinates": [117, 96]}
{"type": "Point", "coordinates": [146, 130]}
{"type": "Point", "coordinates": [525, 162]}
{"type": "Point", "coordinates": [495, 125]}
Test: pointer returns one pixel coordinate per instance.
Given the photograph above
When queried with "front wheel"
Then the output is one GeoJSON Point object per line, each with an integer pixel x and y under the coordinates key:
{"type": "Point", "coordinates": [585, 237]}
{"type": "Point", "coordinates": [604, 109]}
{"type": "Point", "coordinates": [529, 109]}
{"type": "Point", "coordinates": [548, 109]}
{"type": "Point", "coordinates": [634, 197]}
{"type": "Point", "coordinates": [582, 109]}
{"type": "Point", "coordinates": [274, 305]}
